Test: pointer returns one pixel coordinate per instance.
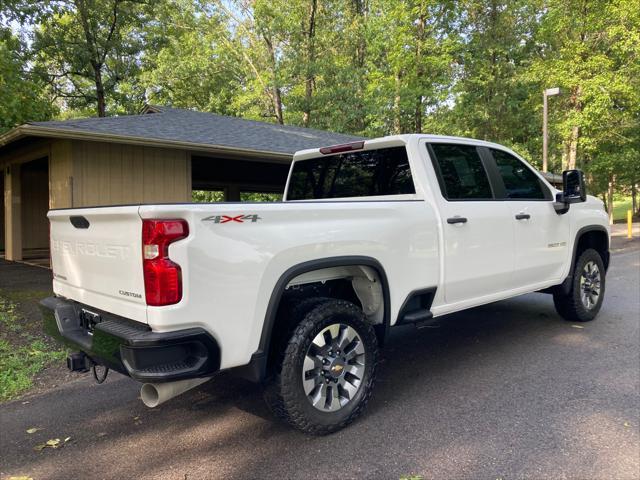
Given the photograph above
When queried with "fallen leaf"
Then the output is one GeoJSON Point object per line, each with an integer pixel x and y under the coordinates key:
{"type": "Point", "coordinates": [53, 443]}
{"type": "Point", "coordinates": [577, 326]}
{"type": "Point", "coordinates": [67, 439]}
{"type": "Point", "coordinates": [40, 447]}
{"type": "Point", "coordinates": [33, 429]}
{"type": "Point", "coordinates": [627, 424]}
{"type": "Point", "coordinates": [19, 478]}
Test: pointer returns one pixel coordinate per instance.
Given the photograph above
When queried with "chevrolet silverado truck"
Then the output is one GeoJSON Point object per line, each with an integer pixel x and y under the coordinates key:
{"type": "Point", "coordinates": [300, 294]}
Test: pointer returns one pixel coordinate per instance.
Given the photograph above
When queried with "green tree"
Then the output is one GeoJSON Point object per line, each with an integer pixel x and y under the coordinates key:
{"type": "Point", "coordinates": [193, 62]}
{"type": "Point", "coordinates": [410, 51]}
{"type": "Point", "coordinates": [491, 100]}
{"type": "Point", "coordinates": [88, 50]}
{"type": "Point", "coordinates": [591, 50]}
{"type": "Point", "coordinates": [23, 98]}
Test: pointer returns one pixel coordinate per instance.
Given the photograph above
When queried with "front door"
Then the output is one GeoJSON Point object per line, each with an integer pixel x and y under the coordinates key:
{"type": "Point", "coordinates": [478, 231]}
{"type": "Point", "coordinates": [541, 235]}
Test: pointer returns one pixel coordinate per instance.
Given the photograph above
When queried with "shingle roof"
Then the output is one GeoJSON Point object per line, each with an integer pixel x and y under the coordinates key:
{"type": "Point", "coordinates": [181, 125]}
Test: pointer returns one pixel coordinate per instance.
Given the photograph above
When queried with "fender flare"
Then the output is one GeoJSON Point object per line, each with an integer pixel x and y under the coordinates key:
{"type": "Point", "coordinates": [257, 368]}
{"type": "Point", "coordinates": [566, 284]}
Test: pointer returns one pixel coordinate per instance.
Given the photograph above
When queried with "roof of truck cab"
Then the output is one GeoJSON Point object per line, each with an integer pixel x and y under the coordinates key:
{"type": "Point", "coordinates": [405, 139]}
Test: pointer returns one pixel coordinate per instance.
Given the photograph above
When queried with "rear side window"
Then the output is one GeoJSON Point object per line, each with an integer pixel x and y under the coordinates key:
{"type": "Point", "coordinates": [462, 174]}
{"type": "Point", "coordinates": [519, 181]}
{"type": "Point", "coordinates": [363, 173]}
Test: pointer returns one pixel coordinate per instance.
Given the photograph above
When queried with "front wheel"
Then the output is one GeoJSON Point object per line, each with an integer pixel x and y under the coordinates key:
{"type": "Point", "coordinates": [327, 370]}
{"type": "Point", "coordinates": [584, 301]}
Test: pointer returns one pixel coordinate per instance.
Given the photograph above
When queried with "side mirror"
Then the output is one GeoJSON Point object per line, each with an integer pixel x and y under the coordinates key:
{"type": "Point", "coordinates": [573, 187]}
{"type": "Point", "coordinates": [573, 190]}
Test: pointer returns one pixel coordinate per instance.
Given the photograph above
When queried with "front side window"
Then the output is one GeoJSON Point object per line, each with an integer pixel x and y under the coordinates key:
{"type": "Point", "coordinates": [519, 181]}
{"type": "Point", "coordinates": [462, 173]}
{"type": "Point", "coordinates": [362, 173]}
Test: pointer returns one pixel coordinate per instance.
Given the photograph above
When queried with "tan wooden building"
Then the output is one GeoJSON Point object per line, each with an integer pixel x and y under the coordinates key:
{"type": "Point", "coordinates": [158, 156]}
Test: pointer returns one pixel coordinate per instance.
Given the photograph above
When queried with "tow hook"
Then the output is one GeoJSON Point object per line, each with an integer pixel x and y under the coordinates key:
{"type": "Point", "coordinates": [81, 363]}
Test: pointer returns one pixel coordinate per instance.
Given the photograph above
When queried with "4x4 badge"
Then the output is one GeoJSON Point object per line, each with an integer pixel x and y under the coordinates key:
{"type": "Point", "coordinates": [228, 219]}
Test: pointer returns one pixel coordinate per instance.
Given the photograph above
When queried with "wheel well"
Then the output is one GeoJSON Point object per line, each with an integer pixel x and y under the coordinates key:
{"type": "Point", "coordinates": [360, 284]}
{"type": "Point", "coordinates": [596, 239]}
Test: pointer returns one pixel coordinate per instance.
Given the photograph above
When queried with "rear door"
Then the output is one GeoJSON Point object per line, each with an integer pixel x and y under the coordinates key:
{"type": "Point", "coordinates": [96, 258]}
{"type": "Point", "coordinates": [541, 235]}
{"type": "Point", "coordinates": [478, 230]}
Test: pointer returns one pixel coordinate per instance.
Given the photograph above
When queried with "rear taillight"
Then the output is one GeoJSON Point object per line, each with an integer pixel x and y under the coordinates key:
{"type": "Point", "coordinates": [162, 277]}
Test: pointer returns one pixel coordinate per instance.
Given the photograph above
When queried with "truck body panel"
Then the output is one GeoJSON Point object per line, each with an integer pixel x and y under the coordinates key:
{"type": "Point", "coordinates": [98, 262]}
{"type": "Point", "coordinates": [236, 254]}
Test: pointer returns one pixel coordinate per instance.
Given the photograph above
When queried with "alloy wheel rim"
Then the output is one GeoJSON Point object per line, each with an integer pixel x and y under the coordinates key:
{"type": "Point", "coordinates": [333, 367]}
{"type": "Point", "coordinates": [590, 285]}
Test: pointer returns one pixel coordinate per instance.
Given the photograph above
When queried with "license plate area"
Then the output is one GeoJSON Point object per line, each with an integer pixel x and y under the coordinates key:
{"type": "Point", "coordinates": [88, 320]}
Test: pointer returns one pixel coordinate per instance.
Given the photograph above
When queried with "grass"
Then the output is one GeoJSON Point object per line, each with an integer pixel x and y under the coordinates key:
{"type": "Point", "coordinates": [620, 207]}
{"type": "Point", "coordinates": [23, 349]}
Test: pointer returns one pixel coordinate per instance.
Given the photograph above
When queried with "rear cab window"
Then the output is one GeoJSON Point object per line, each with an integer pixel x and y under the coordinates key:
{"type": "Point", "coordinates": [461, 173]}
{"type": "Point", "coordinates": [362, 173]}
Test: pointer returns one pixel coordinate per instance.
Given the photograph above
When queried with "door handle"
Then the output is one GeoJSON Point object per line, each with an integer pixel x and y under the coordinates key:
{"type": "Point", "coordinates": [523, 216]}
{"type": "Point", "coordinates": [456, 219]}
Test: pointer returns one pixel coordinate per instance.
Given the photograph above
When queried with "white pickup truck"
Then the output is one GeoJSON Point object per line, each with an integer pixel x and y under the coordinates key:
{"type": "Point", "coordinates": [300, 294]}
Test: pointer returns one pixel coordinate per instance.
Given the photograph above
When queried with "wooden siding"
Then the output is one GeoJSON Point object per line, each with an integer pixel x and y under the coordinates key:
{"type": "Point", "coordinates": [60, 174]}
{"type": "Point", "coordinates": [116, 174]}
{"type": "Point", "coordinates": [12, 217]}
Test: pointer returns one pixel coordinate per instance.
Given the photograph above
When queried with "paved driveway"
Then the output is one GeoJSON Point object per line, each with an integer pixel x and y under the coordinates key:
{"type": "Point", "coordinates": [504, 391]}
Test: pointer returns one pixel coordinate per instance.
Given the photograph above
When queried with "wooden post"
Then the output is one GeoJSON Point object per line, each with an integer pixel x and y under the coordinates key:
{"type": "Point", "coordinates": [12, 213]}
{"type": "Point", "coordinates": [232, 193]}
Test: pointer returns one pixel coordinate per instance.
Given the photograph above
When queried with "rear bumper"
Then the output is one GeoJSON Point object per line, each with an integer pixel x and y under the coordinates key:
{"type": "Point", "coordinates": [129, 347]}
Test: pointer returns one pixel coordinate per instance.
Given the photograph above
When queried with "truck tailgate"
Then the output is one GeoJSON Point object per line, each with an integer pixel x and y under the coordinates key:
{"type": "Point", "coordinates": [96, 258]}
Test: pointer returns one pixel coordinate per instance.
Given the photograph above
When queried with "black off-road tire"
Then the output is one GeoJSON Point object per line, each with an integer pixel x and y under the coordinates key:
{"type": "Point", "coordinates": [285, 393]}
{"type": "Point", "coordinates": [570, 306]}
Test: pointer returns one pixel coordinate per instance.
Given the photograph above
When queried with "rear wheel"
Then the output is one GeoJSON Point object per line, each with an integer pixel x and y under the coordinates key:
{"type": "Point", "coordinates": [327, 370]}
{"type": "Point", "coordinates": [584, 301]}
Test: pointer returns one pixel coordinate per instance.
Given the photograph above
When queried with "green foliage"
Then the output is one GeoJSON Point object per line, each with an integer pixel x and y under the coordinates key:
{"type": "Point", "coordinates": [19, 365]}
{"type": "Point", "coordinates": [88, 51]}
{"type": "Point", "coordinates": [22, 97]}
{"type": "Point", "coordinates": [260, 197]}
{"type": "Point", "coordinates": [371, 67]}
{"type": "Point", "coordinates": [21, 355]}
{"type": "Point", "coordinates": [211, 196]}
{"type": "Point", "coordinates": [207, 196]}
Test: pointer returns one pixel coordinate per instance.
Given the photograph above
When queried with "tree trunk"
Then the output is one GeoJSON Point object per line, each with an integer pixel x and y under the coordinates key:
{"type": "Point", "coordinates": [573, 148]}
{"type": "Point", "coordinates": [359, 14]}
{"type": "Point", "coordinates": [634, 198]}
{"type": "Point", "coordinates": [612, 181]}
{"type": "Point", "coordinates": [97, 58]}
{"type": "Point", "coordinates": [102, 111]}
{"type": "Point", "coordinates": [311, 57]}
{"type": "Point", "coordinates": [276, 93]}
{"type": "Point", "coordinates": [419, 72]}
{"type": "Point", "coordinates": [397, 114]}
{"type": "Point", "coordinates": [576, 105]}
{"type": "Point", "coordinates": [277, 104]}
